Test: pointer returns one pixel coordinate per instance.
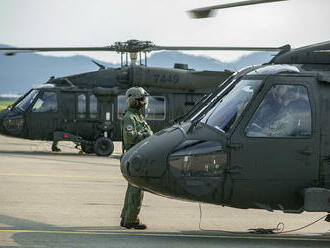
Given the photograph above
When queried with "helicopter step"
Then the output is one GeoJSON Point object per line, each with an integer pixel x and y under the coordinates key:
{"type": "Point", "coordinates": [102, 146]}
{"type": "Point", "coordinates": [317, 200]}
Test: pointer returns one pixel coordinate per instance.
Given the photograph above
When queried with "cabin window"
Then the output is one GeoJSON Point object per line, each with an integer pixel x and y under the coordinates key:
{"type": "Point", "coordinates": [121, 106]}
{"type": "Point", "coordinates": [284, 112]}
{"type": "Point", "coordinates": [81, 106]}
{"type": "Point", "coordinates": [47, 102]}
{"type": "Point", "coordinates": [93, 107]}
{"type": "Point", "coordinates": [155, 108]}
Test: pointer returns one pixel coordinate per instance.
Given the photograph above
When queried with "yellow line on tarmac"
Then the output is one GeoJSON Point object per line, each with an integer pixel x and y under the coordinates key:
{"type": "Point", "coordinates": [173, 235]}
{"type": "Point", "coordinates": [59, 176]}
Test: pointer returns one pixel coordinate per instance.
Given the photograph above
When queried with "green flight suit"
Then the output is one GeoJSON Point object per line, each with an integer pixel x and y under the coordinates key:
{"type": "Point", "coordinates": [135, 129]}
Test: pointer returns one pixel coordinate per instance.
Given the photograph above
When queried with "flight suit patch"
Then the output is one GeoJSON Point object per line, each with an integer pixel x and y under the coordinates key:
{"type": "Point", "coordinates": [129, 128]}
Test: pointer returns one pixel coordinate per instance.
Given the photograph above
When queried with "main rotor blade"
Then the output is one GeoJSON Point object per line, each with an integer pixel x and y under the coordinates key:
{"type": "Point", "coordinates": [206, 12]}
{"type": "Point", "coordinates": [200, 48]}
{"type": "Point", "coordinates": [55, 49]}
{"type": "Point", "coordinates": [131, 47]}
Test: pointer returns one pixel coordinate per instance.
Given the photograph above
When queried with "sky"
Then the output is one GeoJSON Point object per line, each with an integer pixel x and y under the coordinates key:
{"type": "Point", "coordinates": [51, 23]}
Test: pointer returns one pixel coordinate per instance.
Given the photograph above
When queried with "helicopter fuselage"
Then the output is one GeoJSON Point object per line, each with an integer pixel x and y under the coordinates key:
{"type": "Point", "coordinates": [259, 141]}
{"type": "Point", "coordinates": [85, 107]}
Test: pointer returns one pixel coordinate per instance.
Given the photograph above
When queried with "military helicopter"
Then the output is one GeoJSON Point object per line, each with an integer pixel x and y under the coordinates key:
{"type": "Point", "coordinates": [261, 140]}
{"type": "Point", "coordinates": [87, 108]}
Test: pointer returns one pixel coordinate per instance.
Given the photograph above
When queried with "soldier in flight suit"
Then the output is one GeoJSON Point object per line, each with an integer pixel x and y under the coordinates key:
{"type": "Point", "coordinates": [135, 129]}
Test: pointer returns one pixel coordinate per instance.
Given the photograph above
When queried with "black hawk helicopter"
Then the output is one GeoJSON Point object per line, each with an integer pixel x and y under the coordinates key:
{"type": "Point", "coordinates": [261, 140]}
{"type": "Point", "coordinates": [87, 108]}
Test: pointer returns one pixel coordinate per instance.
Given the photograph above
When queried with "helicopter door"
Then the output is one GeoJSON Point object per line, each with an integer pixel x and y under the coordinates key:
{"type": "Point", "coordinates": [42, 118]}
{"type": "Point", "coordinates": [274, 149]}
{"type": "Point", "coordinates": [67, 107]}
{"type": "Point", "coordinates": [87, 115]}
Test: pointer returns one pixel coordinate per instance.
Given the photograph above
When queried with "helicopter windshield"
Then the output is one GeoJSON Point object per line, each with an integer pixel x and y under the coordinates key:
{"type": "Point", "coordinates": [24, 104]}
{"type": "Point", "coordinates": [229, 108]}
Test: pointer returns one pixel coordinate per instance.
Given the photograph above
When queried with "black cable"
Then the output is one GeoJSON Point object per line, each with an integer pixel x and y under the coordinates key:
{"type": "Point", "coordinates": [298, 229]}
{"type": "Point", "coordinates": [200, 220]}
{"type": "Point", "coordinates": [278, 230]}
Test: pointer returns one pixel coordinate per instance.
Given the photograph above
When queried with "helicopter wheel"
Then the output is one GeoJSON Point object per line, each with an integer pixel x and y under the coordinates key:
{"type": "Point", "coordinates": [103, 146]}
{"type": "Point", "coordinates": [87, 148]}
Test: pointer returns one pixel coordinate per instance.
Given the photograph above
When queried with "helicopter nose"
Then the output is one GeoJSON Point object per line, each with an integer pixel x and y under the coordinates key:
{"type": "Point", "coordinates": [149, 158]}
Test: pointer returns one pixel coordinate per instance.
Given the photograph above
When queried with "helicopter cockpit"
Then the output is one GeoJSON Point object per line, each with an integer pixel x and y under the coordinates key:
{"type": "Point", "coordinates": [225, 108]}
{"type": "Point", "coordinates": [24, 103]}
{"type": "Point", "coordinates": [228, 108]}
{"type": "Point", "coordinates": [20, 116]}
{"type": "Point", "coordinates": [47, 102]}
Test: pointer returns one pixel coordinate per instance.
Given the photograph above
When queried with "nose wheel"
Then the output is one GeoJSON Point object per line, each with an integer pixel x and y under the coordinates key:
{"type": "Point", "coordinates": [103, 146]}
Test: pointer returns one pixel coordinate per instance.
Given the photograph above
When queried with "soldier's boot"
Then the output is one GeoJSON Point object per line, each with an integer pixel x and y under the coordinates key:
{"type": "Point", "coordinates": [55, 149]}
{"type": "Point", "coordinates": [138, 226]}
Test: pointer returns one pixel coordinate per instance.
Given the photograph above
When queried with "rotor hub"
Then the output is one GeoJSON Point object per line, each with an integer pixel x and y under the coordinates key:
{"type": "Point", "coordinates": [132, 46]}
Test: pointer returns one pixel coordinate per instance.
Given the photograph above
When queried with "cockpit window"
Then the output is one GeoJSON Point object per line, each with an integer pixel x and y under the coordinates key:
{"type": "Point", "coordinates": [284, 112]}
{"type": "Point", "coordinates": [47, 102]}
{"type": "Point", "coordinates": [229, 108]}
{"type": "Point", "coordinates": [24, 104]}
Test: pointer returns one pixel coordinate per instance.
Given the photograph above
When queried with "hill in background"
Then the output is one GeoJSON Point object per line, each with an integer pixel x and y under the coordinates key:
{"type": "Point", "coordinates": [21, 72]}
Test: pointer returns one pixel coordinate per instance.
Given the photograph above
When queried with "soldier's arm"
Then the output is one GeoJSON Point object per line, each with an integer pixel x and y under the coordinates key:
{"type": "Point", "coordinates": [131, 134]}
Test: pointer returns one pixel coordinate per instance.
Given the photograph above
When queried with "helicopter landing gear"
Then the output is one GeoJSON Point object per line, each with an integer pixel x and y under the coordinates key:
{"type": "Point", "coordinates": [103, 146]}
{"type": "Point", "coordinates": [87, 148]}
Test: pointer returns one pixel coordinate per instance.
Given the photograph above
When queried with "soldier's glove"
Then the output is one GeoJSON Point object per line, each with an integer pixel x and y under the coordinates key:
{"type": "Point", "coordinates": [147, 134]}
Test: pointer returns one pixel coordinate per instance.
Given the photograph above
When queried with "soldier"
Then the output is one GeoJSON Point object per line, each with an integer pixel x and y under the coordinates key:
{"type": "Point", "coordinates": [135, 129]}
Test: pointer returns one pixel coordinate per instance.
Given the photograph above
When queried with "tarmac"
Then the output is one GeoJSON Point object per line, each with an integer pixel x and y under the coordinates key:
{"type": "Point", "coordinates": [69, 199]}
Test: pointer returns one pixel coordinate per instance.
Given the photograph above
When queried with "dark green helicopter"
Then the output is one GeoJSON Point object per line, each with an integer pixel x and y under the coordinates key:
{"type": "Point", "coordinates": [261, 140]}
{"type": "Point", "coordinates": [87, 108]}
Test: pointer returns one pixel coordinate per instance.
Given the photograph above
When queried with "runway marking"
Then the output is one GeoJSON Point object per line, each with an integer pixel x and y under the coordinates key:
{"type": "Point", "coordinates": [58, 160]}
{"type": "Point", "coordinates": [59, 176]}
{"type": "Point", "coordinates": [172, 235]}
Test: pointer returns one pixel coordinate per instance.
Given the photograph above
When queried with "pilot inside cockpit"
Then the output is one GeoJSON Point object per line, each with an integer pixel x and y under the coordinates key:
{"type": "Point", "coordinates": [285, 111]}
{"type": "Point", "coordinates": [46, 103]}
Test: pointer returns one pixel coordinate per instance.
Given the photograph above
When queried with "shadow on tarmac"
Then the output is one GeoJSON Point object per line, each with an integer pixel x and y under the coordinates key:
{"type": "Point", "coordinates": [28, 233]}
